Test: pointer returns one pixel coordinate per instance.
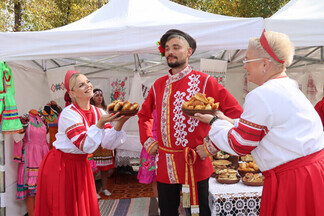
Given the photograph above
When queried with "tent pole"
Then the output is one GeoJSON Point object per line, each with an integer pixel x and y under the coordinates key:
{"type": "Point", "coordinates": [137, 63]}
{"type": "Point", "coordinates": [2, 177]}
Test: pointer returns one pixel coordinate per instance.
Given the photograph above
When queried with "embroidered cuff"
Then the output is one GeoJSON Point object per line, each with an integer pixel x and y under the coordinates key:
{"type": "Point", "coordinates": [149, 143]}
{"type": "Point", "coordinates": [210, 148]}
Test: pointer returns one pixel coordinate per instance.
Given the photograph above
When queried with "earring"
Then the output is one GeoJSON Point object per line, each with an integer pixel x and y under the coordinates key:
{"type": "Point", "coordinates": [264, 71]}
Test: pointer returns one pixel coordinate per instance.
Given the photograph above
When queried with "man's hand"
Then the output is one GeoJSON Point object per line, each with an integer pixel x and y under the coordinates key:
{"type": "Point", "coordinates": [154, 150]}
{"type": "Point", "coordinates": [201, 152]}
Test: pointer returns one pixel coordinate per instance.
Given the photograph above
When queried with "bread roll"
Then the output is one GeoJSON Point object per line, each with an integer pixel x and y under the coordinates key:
{"type": "Point", "coordinates": [118, 106]}
{"type": "Point", "coordinates": [135, 106]}
{"type": "Point", "coordinates": [127, 105]}
{"type": "Point", "coordinates": [111, 106]}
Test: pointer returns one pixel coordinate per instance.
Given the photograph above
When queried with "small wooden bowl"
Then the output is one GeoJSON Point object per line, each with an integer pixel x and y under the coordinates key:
{"type": "Point", "coordinates": [125, 113]}
{"type": "Point", "coordinates": [191, 112]}
{"type": "Point", "coordinates": [252, 183]}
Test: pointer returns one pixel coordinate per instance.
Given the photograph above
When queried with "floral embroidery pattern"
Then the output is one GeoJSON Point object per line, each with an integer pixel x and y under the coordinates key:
{"type": "Point", "coordinates": [118, 91]}
{"type": "Point", "coordinates": [170, 168]}
{"type": "Point", "coordinates": [219, 76]}
{"type": "Point", "coordinates": [57, 87]}
{"type": "Point", "coordinates": [164, 115]}
{"type": "Point", "coordinates": [180, 75]}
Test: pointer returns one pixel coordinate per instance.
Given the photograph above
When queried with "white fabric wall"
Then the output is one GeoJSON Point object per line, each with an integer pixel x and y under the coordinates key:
{"type": "Point", "coordinates": [31, 87]}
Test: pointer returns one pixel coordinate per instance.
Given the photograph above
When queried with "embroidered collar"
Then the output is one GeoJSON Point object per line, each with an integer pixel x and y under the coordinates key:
{"type": "Point", "coordinates": [180, 75]}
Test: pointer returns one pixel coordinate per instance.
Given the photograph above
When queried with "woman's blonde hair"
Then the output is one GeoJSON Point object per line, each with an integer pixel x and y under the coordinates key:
{"type": "Point", "coordinates": [280, 45]}
{"type": "Point", "coordinates": [73, 80]}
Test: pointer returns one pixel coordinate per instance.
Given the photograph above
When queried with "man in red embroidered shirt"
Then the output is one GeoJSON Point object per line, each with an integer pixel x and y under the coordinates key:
{"type": "Point", "coordinates": [178, 134]}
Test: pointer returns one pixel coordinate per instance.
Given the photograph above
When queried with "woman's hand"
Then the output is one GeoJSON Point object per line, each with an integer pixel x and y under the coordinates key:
{"type": "Point", "coordinates": [108, 118]}
{"type": "Point", "coordinates": [119, 122]}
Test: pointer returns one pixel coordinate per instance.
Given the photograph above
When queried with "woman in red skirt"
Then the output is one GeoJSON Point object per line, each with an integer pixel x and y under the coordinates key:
{"type": "Point", "coordinates": [281, 129]}
{"type": "Point", "coordinates": [65, 183]}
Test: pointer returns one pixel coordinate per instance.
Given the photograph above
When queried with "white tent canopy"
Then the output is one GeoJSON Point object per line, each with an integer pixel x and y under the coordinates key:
{"type": "Point", "coordinates": [301, 20]}
{"type": "Point", "coordinates": [128, 27]}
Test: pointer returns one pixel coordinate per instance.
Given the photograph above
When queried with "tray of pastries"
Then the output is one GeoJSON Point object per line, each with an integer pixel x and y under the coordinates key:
{"type": "Point", "coordinates": [227, 176]}
{"type": "Point", "coordinates": [248, 167]}
{"type": "Point", "coordinates": [253, 179]}
{"type": "Point", "coordinates": [124, 108]}
{"type": "Point", "coordinates": [222, 164]}
{"type": "Point", "coordinates": [199, 103]}
{"type": "Point", "coordinates": [219, 171]}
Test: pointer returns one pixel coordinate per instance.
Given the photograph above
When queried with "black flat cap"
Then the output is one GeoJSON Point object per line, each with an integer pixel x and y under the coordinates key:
{"type": "Point", "coordinates": [191, 41]}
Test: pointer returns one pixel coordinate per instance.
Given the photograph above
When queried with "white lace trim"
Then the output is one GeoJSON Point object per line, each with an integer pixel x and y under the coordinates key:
{"type": "Point", "coordinates": [191, 92]}
{"type": "Point", "coordinates": [178, 119]}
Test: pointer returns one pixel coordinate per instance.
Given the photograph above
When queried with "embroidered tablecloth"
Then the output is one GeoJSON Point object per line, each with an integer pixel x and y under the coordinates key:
{"type": "Point", "coordinates": [234, 199]}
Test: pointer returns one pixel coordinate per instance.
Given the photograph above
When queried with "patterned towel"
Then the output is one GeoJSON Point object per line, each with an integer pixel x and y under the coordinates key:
{"type": "Point", "coordinates": [55, 78]}
{"type": "Point", "coordinates": [215, 68]}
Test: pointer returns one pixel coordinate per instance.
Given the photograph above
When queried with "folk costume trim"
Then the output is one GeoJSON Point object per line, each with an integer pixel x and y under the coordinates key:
{"type": "Point", "coordinates": [210, 147]}
{"type": "Point", "coordinates": [149, 143]}
{"type": "Point", "coordinates": [190, 157]}
{"type": "Point", "coordinates": [179, 126]}
{"type": "Point", "coordinates": [165, 121]}
{"type": "Point", "coordinates": [246, 136]}
{"type": "Point", "coordinates": [194, 82]}
{"type": "Point", "coordinates": [77, 132]}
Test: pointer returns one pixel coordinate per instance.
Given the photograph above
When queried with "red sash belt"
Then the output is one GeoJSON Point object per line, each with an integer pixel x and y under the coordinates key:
{"type": "Point", "coordinates": [190, 157]}
{"type": "Point", "coordinates": [271, 175]}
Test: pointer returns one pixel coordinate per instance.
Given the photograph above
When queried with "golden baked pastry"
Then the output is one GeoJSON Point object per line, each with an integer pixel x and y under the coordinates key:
{"type": "Point", "coordinates": [227, 176]}
{"type": "Point", "coordinates": [118, 105]}
{"type": "Point", "coordinates": [250, 177]}
{"type": "Point", "coordinates": [229, 171]}
{"type": "Point", "coordinates": [200, 102]}
{"type": "Point", "coordinates": [248, 167]}
{"type": "Point", "coordinates": [222, 164]}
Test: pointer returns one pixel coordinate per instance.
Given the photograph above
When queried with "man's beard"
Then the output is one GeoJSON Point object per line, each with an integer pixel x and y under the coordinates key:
{"type": "Point", "coordinates": [175, 64]}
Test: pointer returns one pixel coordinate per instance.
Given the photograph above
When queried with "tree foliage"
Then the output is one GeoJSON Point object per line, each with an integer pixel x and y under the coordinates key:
{"type": "Point", "coordinates": [238, 8]}
{"type": "Point", "coordinates": [37, 15]}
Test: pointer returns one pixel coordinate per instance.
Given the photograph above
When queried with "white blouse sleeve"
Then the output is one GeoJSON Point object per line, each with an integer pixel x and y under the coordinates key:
{"type": "Point", "coordinates": [246, 134]}
{"type": "Point", "coordinates": [218, 134]}
{"type": "Point", "coordinates": [113, 139]}
{"type": "Point", "coordinates": [85, 140]}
